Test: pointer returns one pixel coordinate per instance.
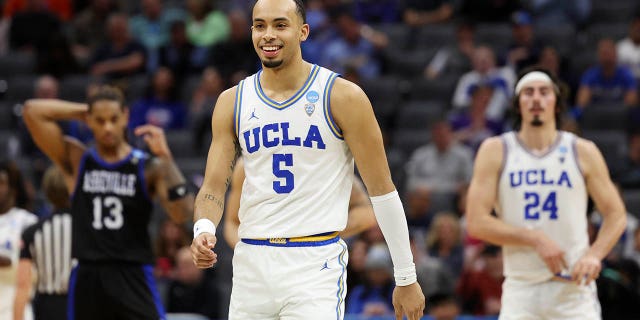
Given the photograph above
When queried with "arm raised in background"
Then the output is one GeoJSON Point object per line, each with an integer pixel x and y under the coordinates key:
{"type": "Point", "coordinates": [165, 179]}
{"type": "Point", "coordinates": [483, 194]}
{"type": "Point", "coordinates": [354, 115]}
{"type": "Point", "coordinates": [609, 204]}
{"type": "Point", "coordinates": [209, 202]}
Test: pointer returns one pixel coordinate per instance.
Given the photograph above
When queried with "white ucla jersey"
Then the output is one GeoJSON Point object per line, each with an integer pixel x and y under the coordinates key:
{"type": "Point", "coordinates": [545, 192]}
{"type": "Point", "coordinates": [12, 223]}
{"type": "Point", "coordinates": [298, 168]}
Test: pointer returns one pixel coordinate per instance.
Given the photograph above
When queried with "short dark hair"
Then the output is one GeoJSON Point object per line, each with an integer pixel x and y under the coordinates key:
{"type": "Point", "coordinates": [108, 93]}
{"type": "Point", "coordinates": [300, 10]}
{"type": "Point", "coordinates": [560, 103]}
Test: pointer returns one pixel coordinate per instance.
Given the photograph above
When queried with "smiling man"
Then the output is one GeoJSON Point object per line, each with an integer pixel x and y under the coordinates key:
{"type": "Point", "coordinates": [538, 178]}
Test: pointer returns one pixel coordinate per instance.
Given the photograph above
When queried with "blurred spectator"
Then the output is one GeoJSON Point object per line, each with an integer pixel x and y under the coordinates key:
{"type": "Point", "coordinates": [376, 11]}
{"type": "Point", "coordinates": [418, 13]}
{"type": "Point", "coordinates": [89, 27]}
{"type": "Point", "coordinates": [550, 13]}
{"type": "Point", "coordinates": [432, 275]}
{"type": "Point", "coordinates": [488, 10]}
{"type": "Point", "coordinates": [205, 25]}
{"type": "Point", "coordinates": [202, 102]}
{"type": "Point", "coordinates": [629, 175]}
{"type": "Point", "coordinates": [161, 106]}
{"type": "Point", "coordinates": [442, 306]}
{"type": "Point", "coordinates": [419, 212]}
{"type": "Point", "coordinates": [551, 61]}
{"type": "Point", "coordinates": [524, 51]}
{"type": "Point", "coordinates": [56, 58]}
{"type": "Point", "coordinates": [169, 240]}
{"type": "Point", "coordinates": [151, 28]}
{"type": "Point", "coordinates": [32, 26]}
{"type": "Point", "coordinates": [444, 241]}
{"type": "Point", "coordinates": [120, 56]}
{"type": "Point", "coordinates": [471, 126]}
{"type": "Point", "coordinates": [480, 290]}
{"type": "Point", "coordinates": [608, 82]}
{"type": "Point", "coordinates": [502, 80]}
{"type": "Point", "coordinates": [13, 220]}
{"type": "Point", "coordinates": [179, 55]}
{"type": "Point", "coordinates": [235, 58]}
{"type": "Point", "coordinates": [61, 8]}
{"type": "Point", "coordinates": [318, 18]}
{"type": "Point", "coordinates": [356, 269]}
{"type": "Point", "coordinates": [191, 291]}
{"type": "Point", "coordinates": [355, 47]}
{"type": "Point", "coordinates": [444, 165]}
{"type": "Point", "coordinates": [629, 48]}
{"type": "Point", "coordinates": [374, 297]}
{"type": "Point", "coordinates": [454, 58]}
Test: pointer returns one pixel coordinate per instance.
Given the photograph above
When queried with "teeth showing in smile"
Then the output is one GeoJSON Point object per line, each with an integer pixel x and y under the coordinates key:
{"type": "Point", "coordinates": [270, 48]}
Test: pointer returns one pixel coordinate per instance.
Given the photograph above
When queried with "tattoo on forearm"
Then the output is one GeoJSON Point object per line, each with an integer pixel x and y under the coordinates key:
{"type": "Point", "coordinates": [218, 202]}
{"type": "Point", "coordinates": [238, 152]}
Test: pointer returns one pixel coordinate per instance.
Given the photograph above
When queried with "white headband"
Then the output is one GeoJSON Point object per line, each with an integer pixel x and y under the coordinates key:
{"type": "Point", "coordinates": [533, 76]}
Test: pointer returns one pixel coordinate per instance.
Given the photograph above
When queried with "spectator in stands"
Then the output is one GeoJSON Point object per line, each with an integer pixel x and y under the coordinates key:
{"type": "Point", "coordinates": [355, 47]}
{"type": "Point", "coordinates": [433, 276]}
{"type": "Point", "coordinates": [629, 175]}
{"type": "Point", "coordinates": [89, 27]}
{"type": "Point", "coordinates": [160, 106]}
{"type": "Point", "coordinates": [120, 56]}
{"type": "Point", "coordinates": [32, 26]}
{"type": "Point", "coordinates": [480, 289]}
{"type": "Point", "coordinates": [202, 102]}
{"type": "Point", "coordinates": [374, 297]}
{"type": "Point", "coordinates": [356, 269]}
{"type": "Point", "coordinates": [169, 240]}
{"type": "Point", "coordinates": [419, 213]}
{"type": "Point", "coordinates": [524, 49]}
{"type": "Point", "coordinates": [235, 57]}
{"type": "Point", "coordinates": [471, 126]}
{"type": "Point", "coordinates": [486, 72]}
{"type": "Point", "coordinates": [61, 8]}
{"type": "Point", "coordinates": [206, 26]}
{"type": "Point", "coordinates": [181, 56]}
{"type": "Point", "coordinates": [418, 13]}
{"type": "Point", "coordinates": [629, 48]}
{"type": "Point", "coordinates": [456, 58]}
{"type": "Point", "coordinates": [488, 10]}
{"type": "Point", "coordinates": [550, 13]}
{"type": "Point", "coordinates": [56, 57]}
{"type": "Point", "coordinates": [191, 291]}
{"type": "Point", "coordinates": [443, 306]}
{"type": "Point", "coordinates": [444, 241]}
{"type": "Point", "coordinates": [444, 165]}
{"type": "Point", "coordinates": [376, 11]}
{"type": "Point", "coordinates": [608, 82]}
{"type": "Point", "coordinates": [550, 60]}
{"type": "Point", "coordinates": [151, 28]}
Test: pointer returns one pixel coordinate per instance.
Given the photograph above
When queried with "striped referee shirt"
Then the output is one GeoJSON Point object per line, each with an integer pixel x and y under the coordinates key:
{"type": "Point", "coordinates": [48, 245]}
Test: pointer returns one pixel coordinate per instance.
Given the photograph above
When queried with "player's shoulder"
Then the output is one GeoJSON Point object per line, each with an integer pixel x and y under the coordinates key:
{"type": "Point", "coordinates": [585, 147]}
{"type": "Point", "coordinates": [228, 95]}
{"type": "Point", "coordinates": [345, 91]}
{"type": "Point", "coordinates": [25, 217]}
{"type": "Point", "coordinates": [492, 146]}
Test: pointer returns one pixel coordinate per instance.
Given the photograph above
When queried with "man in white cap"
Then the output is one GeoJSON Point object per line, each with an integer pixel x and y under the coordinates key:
{"type": "Point", "coordinates": [539, 179]}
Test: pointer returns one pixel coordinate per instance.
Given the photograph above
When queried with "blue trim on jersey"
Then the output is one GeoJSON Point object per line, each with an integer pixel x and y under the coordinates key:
{"type": "Point", "coordinates": [286, 242]}
{"type": "Point", "coordinates": [151, 283]}
{"type": "Point", "coordinates": [71, 294]}
{"type": "Point", "coordinates": [237, 108]}
{"type": "Point", "coordinates": [505, 153]}
{"type": "Point", "coordinates": [327, 107]}
{"type": "Point", "coordinates": [141, 177]}
{"type": "Point", "coordinates": [575, 156]}
{"type": "Point", "coordinates": [341, 282]}
{"type": "Point", "coordinates": [79, 177]}
{"type": "Point", "coordinates": [293, 99]}
{"type": "Point", "coordinates": [552, 147]}
{"type": "Point", "coordinates": [109, 165]}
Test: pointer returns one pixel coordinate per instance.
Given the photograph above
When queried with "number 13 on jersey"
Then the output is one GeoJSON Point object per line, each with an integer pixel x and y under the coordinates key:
{"type": "Point", "coordinates": [532, 208]}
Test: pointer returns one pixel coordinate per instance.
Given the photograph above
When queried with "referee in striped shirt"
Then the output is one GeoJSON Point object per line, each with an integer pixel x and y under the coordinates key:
{"type": "Point", "coordinates": [47, 246]}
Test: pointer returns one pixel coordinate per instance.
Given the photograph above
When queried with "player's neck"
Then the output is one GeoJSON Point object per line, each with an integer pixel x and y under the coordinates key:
{"type": "Point", "coordinates": [290, 77]}
{"type": "Point", "coordinates": [5, 207]}
{"type": "Point", "coordinates": [113, 154]}
{"type": "Point", "coordinates": [538, 139]}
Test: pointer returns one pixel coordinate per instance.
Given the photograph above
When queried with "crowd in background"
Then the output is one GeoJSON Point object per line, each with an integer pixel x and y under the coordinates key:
{"type": "Point", "coordinates": [440, 75]}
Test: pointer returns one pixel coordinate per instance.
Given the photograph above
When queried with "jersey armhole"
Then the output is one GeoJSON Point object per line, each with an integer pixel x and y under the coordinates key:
{"type": "Point", "coordinates": [574, 150]}
{"type": "Point", "coordinates": [143, 179]}
{"type": "Point", "coordinates": [237, 105]}
{"type": "Point", "coordinates": [505, 151]}
{"type": "Point", "coordinates": [326, 104]}
{"type": "Point", "coordinates": [83, 160]}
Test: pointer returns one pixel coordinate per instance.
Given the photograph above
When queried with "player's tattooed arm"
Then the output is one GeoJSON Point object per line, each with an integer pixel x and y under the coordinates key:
{"type": "Point", "coordinates": [217, 201]}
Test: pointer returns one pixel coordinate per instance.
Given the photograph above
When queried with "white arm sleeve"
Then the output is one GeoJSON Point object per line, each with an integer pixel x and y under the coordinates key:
{"type": "Point", "coordinates": [393, 223]}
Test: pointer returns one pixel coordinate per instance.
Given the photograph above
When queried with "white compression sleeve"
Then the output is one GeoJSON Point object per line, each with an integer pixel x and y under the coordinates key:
{"type": "Point", "coordinates": [393, 223]}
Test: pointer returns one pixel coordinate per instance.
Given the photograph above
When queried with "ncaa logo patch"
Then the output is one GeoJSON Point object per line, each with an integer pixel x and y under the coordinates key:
{"type": "Point", "coordinates": [309, 108]}
{"type": "Point", "coordinates": [313, 96]}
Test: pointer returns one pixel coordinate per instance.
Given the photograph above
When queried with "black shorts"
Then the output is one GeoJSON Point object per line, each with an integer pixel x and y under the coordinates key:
{"type": "Point", "coordinates": [50, 306]}
{"type": "Point", "coordinates": [112, 291]}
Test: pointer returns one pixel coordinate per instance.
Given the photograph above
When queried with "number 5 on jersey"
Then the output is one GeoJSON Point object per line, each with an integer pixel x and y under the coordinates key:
{"type": "Point", "coordinates": [280, 161]}
{"type": "Point", "coordinates": [531, 210]}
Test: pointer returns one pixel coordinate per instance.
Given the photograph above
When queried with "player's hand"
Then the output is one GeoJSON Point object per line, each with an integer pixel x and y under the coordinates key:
{"type": "Point", "coordinates": [550, 253]}
{"type": "Point", "coordinates": [409, 301]}
{"type": "Point", "coordinates": [202, 250]}
{"type": "Point", "coordinates": [154, 138]}
{"type": "Point", "coordinates": [587, 269]}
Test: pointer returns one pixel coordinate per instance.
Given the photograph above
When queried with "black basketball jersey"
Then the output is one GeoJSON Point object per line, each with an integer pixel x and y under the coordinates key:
{"type": "Point", "coordinates": [111, 210]}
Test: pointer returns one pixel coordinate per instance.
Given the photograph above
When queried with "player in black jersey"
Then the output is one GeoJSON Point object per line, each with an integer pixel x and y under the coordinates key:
{"type": "Point", "coordinates": [111, 188]}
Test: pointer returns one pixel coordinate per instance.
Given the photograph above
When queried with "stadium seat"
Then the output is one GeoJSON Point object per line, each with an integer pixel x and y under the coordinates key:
{"type": "Point", "coordinates": [612, 145]}
{"type": "Point", "coordinates": [408, 63]}
{"type": "Point", "coordinates": [398, 34]}
{"type": "Point", "coordinates": [632, 201]}
{"type": "Point", "coordinates": [181, 142]}
{"type": "Point", "coordinates": [7, 118]}
{"type": "Point", "coordinates": [615, 31]}
{"type": "Point", "coordinates": [497, 35]}
{"type": "Point", "coordinates": [438, 89]}
{"type": "Point", "coordinates": [419, 114]}
{"type": "Point", "coordinates": [407, 140]}
{"type": "Point", "coordinates": [436, 36]}
{"type": "Point", "coordinates": [603, 117]}
{"type": "Point", "coordinates": [189, 85]}
{"type": "Point", "coordinates": [16, 63]}
{"type": "Point", "coordinates": [20, 87]}
{"type": "Point", "coordinates": [613, 11]}
{"type": "Point", "coordinates": [74, 87]}
{"type": "Point", "coordinates": [562, 38]}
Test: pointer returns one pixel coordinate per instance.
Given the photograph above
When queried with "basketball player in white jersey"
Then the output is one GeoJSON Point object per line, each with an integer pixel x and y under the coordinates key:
{"type": "Point", "coordinates": [298, 128]}
{"type": "Point", "coordinates": [361, 215]}
{"type": "Point", "coordinates": [538, 179]}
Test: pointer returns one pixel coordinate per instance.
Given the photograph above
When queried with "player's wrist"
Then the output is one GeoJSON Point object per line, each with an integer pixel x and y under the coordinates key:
{"type": "Point", "coordinates": [405, 276]}
{"type": "Point", "coordinates": [203, 225]}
